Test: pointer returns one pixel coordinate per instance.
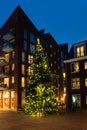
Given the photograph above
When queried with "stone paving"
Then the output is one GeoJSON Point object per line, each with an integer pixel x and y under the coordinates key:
{"type": "Point", "coordinates": [10, 120]}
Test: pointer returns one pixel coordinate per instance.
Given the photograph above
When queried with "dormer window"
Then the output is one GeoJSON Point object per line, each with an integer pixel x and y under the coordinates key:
{"type": "Point", "coordinates": [80, 51]}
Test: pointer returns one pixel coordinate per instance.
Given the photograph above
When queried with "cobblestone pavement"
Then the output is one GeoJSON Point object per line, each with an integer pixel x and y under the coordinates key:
{"type": "Point", "coordinates": [10, 120]}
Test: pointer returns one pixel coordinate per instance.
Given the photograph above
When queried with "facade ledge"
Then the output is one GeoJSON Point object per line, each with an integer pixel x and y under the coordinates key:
{"type": "Point", "coordinates": [75, 59]}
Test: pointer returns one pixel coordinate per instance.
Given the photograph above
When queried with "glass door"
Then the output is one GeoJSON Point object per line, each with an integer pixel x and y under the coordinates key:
{"type": "Point", "coordinates": [5, 99]}
{"type": "Point", "coordinates": [76, 101]}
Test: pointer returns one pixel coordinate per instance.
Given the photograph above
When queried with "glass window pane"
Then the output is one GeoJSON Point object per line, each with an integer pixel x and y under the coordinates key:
{"type": "Point", "coordinates": [22, 81]}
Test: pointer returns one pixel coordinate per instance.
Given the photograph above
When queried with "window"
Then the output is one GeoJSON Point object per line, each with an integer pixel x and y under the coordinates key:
{"type": "Point", "coordinates": [85, 65]}
{"type": "Point", "coordinates": [80, 51]}
{"type": "Point", "coordinates": [75, 67]}
{"type": "Point", "coordinates": [23, 57]}
{"type": "Point", "coordinates": [50, 46]}
{"type": "Point", "coordinates": [22, 81]}
{"type": "Point", "coordinates": [32, 38]}
{"type": "Point", "coordinates": [51, 64]}
{"type": "Point", "coordinates": [51, 55]}
{"type": "Point", "coordinates": [25, 34]}
{"type": "Point", "coordinates": [61, 55]}
{"type": "Point", "coordinates": [23, 69]}
{"type": "Point", "coordinates": [25, 46]}
{"type": "Point", "coordinates": [13, 54]}
{"type": "Point", "coordinates": [75, 82]}
{"type": "Point", "coordinates": [30, 59]}
{"type": "Point", "coordinates": [85, 82]}
{"type": "Point", "coordinates": [54, 62]}
{"type": "Point", "coordinates": [62, 63]}
{"type": "Point", "coordinates": [7, 57]}
{"type": "Point", "coordinates": [13, 67]}
{"type": "Point", "coordinates": [6, 82]}
{"type": "Point", "coordinates": [6, 69]}
{"type": "Point", "coordinates": [64, 75]}
{"type": "Point", "coordinates": [13, 80]}
{"type": "Point", "coordinates": [32, 49]}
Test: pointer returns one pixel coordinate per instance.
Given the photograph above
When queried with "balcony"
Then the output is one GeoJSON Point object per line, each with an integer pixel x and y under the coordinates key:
{"type": "Point", "coordinates": [7, 47]}
{"type": "Point", "coordinates": [3, 75]}
{"type": "Point", "coordinates": [8, 35]}
{"type": "Point", "coordinates": [3, 86]}
{"type": "Point", "coordinates": [3, 62]}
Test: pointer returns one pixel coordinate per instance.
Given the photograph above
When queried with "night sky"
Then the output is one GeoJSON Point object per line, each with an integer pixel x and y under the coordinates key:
{"type": "Point", "coordinates": [66, 20]}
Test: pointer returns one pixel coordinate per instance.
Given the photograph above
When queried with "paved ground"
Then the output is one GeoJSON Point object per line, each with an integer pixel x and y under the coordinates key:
{"type": "Point", "coordinates": [10, 120]}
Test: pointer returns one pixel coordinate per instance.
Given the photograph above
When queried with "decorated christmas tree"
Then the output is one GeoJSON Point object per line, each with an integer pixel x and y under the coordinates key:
{"type": "Point", "coordinates": [40, 97]}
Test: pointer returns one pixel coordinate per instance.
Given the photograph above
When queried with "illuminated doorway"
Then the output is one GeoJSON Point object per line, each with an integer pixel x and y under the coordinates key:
{"type": "Point", "coordinates": [5, 99]}
{"type": "Point", "coordinates": [76, 101]}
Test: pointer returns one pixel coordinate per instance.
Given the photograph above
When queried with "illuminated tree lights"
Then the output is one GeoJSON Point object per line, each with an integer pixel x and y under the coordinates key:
{"type": "Point", "coordinates": [41, 98]}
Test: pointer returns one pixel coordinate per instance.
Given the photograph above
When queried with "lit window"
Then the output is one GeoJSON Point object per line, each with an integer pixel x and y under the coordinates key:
{"type": "Point", "coordinates": [80, 51]}
{"type": "Point", "coordinates": [6, 82]}
{"type": "Point", "coordinates": [7, 57]}
{"type": "Point", "coordinates": [75, 82]}
{"type": "Point", "coordinates": [23, 57]}
{"type": "Point", "coordinates": [85, 65]}
{"type": "Point", "coordinates": [64, 75]}
{"type": "Point", "coordinates": [30, 59]}
{"type": "Point", "coordinates": [51, 64]}
{"type": "Point", "coordinates": [32, 38]}
{"type": "Point", "coordinates": [51, 55]}
{"type": "Point", "coordinates": [64, 89]}
{"type": "Point", "coordinates": [50, 46]}
{"type": "Point", "coordinates": [75, 67]}
{"type": "Point", "coordinates": [13, 67]}
{"type": "Point", "coordinates": [85, 82]}
{"type": "Point", "coordinates": [13, 80]}
{"type": "Point", "coordinates": [22, 81]}
{"type": "Point", "coordinates": [23, 69]}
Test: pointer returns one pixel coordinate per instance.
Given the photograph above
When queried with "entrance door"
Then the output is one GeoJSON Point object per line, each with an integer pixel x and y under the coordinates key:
{"type": "Point", "coordinates": [5, 99]}
{"type": "Point", "coordinates": [76, 101]}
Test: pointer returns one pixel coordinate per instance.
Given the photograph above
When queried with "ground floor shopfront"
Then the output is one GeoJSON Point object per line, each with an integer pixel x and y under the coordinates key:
{"type": "Point", "coordinates": [77, 101]}
{"type": "Point", "coordinates": [8, 99]}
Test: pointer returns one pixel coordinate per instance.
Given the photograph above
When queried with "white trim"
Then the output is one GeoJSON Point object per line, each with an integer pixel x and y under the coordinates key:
{"type": "Point", "coordinates": [75, 59]}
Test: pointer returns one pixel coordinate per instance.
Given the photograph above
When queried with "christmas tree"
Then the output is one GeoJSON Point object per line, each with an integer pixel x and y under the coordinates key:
{"type": "Point", "coordinates": [41, 97]}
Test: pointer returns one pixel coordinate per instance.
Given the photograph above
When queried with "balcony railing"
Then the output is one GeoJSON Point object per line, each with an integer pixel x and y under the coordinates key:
{"type": "Point", "coordinates": [3, 86]}
{"type": "Point", "coordinates": [7, 47]}
{"type": "Point", "coordinates": [3, 75]}
{"type": "Point", "coordinates": [3, 62]}
{"type": "Point", "coordinates": [8, 35]}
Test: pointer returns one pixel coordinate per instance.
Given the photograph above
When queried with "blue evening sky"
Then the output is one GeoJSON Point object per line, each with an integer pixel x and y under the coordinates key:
{"type": "Point", "coordinates": [66, 20]}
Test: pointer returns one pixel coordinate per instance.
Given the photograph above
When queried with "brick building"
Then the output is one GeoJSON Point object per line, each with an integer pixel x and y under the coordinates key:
{"type": "Point", "coordinates": [18, 38]}
{"type": "Point", "coordinates": [76, 71]}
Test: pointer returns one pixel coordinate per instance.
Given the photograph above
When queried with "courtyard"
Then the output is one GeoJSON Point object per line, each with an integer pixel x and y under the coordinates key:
{"type": "Point", "coordinates": [11, 120]}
